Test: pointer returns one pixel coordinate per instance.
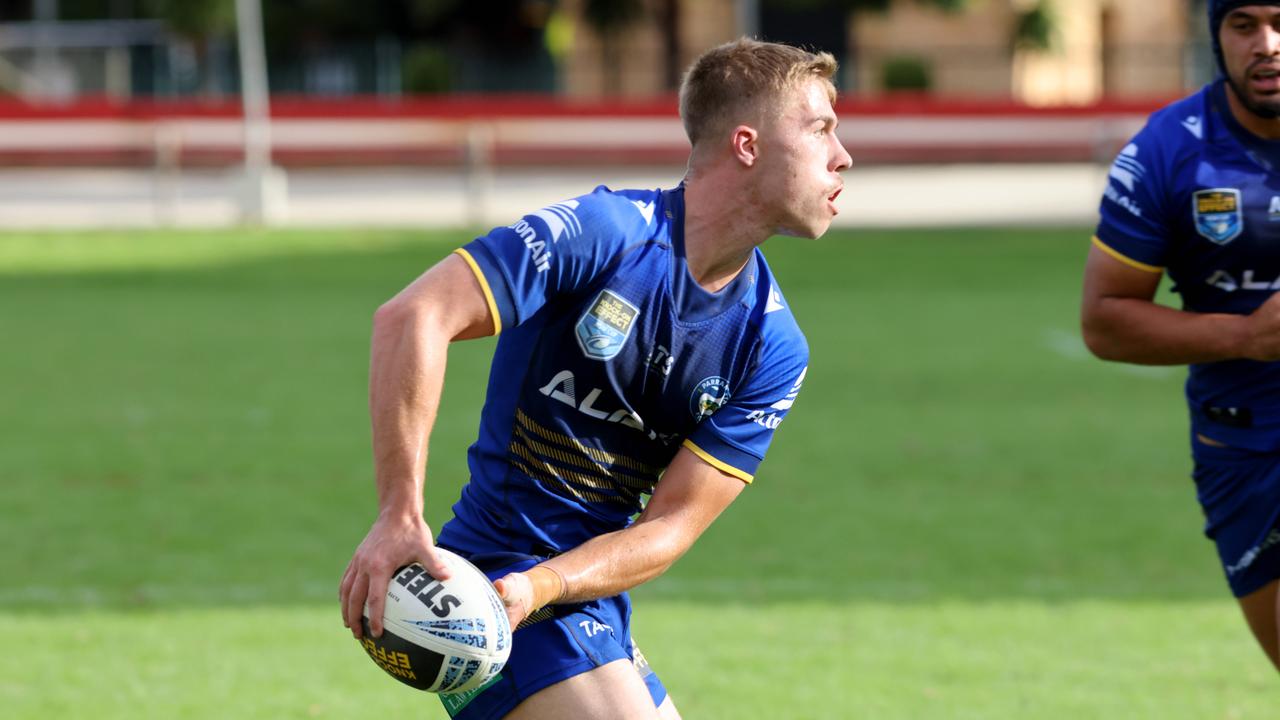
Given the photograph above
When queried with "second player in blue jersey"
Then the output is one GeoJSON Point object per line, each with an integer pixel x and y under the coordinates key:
{"type": "Point", "coordinates": [1196, 195]}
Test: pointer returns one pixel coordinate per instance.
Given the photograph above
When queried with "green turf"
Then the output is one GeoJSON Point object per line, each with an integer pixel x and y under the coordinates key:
{"type": "Point", "coordinates": [818, 659]}
{"type": "Point", "coordinates": [965, 516]}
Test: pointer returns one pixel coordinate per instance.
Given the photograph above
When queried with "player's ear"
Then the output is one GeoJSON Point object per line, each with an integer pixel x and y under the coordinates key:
{"type": "Point", "coordinates": [745, 144]}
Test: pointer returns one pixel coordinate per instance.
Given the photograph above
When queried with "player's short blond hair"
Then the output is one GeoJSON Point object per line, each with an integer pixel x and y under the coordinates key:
{"type": "Point", "coordinates": [735, 82]}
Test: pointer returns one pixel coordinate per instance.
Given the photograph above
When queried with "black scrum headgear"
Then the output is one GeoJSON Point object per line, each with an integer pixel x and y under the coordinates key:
{"type": "Point", "coordinates": [1218, 10]}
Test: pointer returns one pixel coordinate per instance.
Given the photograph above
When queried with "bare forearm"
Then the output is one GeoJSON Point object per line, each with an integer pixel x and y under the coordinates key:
{"type": "Point", "coordinates": [1140, 331]}
{"type": "Point", "coordinates": [688, 498]}
{"type": "Point", "coordinates": [411, 335]}
{"type": "Point", "coordinates": [618, 561]}
{"type": "Point", "coordinates": [406, 376]}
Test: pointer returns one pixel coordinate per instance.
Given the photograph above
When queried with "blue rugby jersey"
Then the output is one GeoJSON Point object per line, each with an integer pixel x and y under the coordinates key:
{"type": "Point", "coordinates": [1196, 195]}
{"type": "Point", "coordinates": [611, 357]}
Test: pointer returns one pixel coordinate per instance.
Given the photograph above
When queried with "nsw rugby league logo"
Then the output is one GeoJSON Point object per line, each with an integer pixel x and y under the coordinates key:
{"type": "Point", "coordinates": [604, 328]}
{"type": "Point", "coordinates": [1217, 213]}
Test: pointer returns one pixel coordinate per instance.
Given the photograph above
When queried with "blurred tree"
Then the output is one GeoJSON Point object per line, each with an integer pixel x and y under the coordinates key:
{"type": "Point", "coordinates": [500, 46]}
{"type": "Point", "coordinates": [669, 28]}
{"type": "Point", "coordinates": [866, 5]}
{"type": "Point", "coordinates": [906, 73]}
{"type": "Point", "coordinates": [200, 22]}
{"type": "Point", "coordinates": [441, 44]}
{"type": "Point", "coordinates": [1035, 28]}
{"type": "Point", "coordinates": [194, 18]}
{"type": "Point", "coordinates": [1031, 26]}
{"type": "Point", "coordinates": [610, 19]}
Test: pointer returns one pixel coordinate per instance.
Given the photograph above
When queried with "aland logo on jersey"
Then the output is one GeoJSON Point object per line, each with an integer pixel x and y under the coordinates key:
{"type": "Point", "coordinates": [604, 328]}
{"type": "Point", "coordinates": [1217, 213]}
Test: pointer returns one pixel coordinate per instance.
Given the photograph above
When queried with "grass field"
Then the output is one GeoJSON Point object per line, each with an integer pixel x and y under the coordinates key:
{"type": "Point", "coordinates": [965, 517]}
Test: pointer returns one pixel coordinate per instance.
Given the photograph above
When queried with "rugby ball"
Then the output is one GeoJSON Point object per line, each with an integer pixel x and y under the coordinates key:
{"type": "Point", "coordinates": [441, 636]}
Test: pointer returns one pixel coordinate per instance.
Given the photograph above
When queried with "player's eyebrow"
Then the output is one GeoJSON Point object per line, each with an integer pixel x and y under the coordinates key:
{"type": "Point", "coordinates": [1243, 14]}
{"type": "Point", "coordinates": [825, 120]}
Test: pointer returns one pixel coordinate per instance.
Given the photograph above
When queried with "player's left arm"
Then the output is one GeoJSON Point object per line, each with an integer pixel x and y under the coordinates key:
{"type": "Point", "coordinates": [713, 465]}
{"type": "Point", "coordinates": [689, 497]}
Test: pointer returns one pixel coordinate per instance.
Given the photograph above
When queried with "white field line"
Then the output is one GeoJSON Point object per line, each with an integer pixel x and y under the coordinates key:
{"type": "Point", "coordinates": [1069, 345]}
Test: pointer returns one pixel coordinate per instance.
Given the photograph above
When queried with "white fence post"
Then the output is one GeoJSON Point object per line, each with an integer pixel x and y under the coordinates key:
{"type": "Point", "coordinates": [166, 180]}
{"type": "Point", "coordinates": [479, 172]}
{"type": "Point", "coordinates": [264, 191]}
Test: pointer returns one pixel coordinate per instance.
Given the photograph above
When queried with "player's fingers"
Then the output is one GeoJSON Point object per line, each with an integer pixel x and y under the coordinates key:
{"type": "Point", "coordinates": [510, 590]}
{"type": "Point", "coordinates": [435, 565]}
{"type": "Point", "coordinates": [376, 598]}
{"type": "Point", "coordinates": [344, 589]}
{"type": "Point", "coordinates": [355, 604]}
{"type": "Point", "coordinates": [514, 606]}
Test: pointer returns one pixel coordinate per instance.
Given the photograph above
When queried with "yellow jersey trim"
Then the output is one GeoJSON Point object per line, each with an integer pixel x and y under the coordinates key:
{"type": "Point", "coordinates": [719, 464]}
{"type": "Point", "coordinates": [484, 285]}
{"type": "Point", "coordinates": [1126, 260]}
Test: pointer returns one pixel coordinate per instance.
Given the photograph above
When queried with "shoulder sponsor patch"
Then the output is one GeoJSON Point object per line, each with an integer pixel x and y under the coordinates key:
{"type": "Point", "coordinates": [1126, 169]}
{"type": "Point", "coordinates": [770, 419]}
{"type": "Point", "coordinates": [1217, 214]}
{"type": "Point", "coordinates": [560, 219]}
{"type": "Point", "coordinates": [604, 328]}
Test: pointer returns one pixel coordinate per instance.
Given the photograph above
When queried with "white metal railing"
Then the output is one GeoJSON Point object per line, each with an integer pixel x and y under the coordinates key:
{"type": "Point", "coordinates": [478, 147]}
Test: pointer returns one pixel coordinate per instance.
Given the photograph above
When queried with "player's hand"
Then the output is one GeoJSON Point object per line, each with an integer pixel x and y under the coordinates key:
{"type": "Point", "coordinates": [392, 543]}
{"type": "Point", "coordinates": [517, 595]}
{"type": "Point", "coordinates": [524, 593]}
{"type": "Point", "coordinates": [1264, 331]}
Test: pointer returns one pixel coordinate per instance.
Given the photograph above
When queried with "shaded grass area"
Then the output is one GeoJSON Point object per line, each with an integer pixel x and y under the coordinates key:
{"type": "Point", "coordinates": [965, 516]}
{"type": "Point", "coordinates": [185, 424]}
{"type": "Point", "coordinates": [811, 659]}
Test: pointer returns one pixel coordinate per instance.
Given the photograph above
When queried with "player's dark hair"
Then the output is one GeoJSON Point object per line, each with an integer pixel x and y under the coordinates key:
{"type": "Point", "coordinates": [734, 82]}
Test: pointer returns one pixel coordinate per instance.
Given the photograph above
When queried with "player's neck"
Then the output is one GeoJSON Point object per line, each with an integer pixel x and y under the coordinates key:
{"type": "Point", "coordinates": [1266, 128]}
{"type": "Point", "coordinates": [719, 233]}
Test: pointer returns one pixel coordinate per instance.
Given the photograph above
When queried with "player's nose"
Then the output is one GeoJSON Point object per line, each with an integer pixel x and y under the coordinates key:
{"type": "Point", "coordinates": [1269, 41]}
{"type": "Point", "coordinates": [841, 159]}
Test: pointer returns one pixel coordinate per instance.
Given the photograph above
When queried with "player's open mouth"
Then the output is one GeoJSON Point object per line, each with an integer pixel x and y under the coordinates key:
{"type": "Point", "coordinates": [831, 199]}
{"type": "Point", "coordinates": [1266, 78]}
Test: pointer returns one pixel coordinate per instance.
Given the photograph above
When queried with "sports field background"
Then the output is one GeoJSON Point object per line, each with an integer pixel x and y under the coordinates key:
{"type": "Point", "coordinates": [966, 516]}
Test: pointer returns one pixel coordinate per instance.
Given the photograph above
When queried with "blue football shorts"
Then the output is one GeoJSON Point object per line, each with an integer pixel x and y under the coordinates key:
{"type": "Point", "coordinates": [1239, 491]}
{"type": "Point", "coordinates": [558, 642]}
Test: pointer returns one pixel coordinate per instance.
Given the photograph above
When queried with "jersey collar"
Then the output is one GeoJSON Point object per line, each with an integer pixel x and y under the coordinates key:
{"type": "Point", "coordinates": [693, 303]}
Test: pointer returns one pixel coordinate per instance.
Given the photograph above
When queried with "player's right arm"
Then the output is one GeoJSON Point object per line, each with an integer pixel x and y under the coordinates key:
{"type": "Point", "coordinates": [1121, 321]}
{"type": "Point", "coordinates": [1119, 318]}
{"type": "Point", "coordinates": [411, 334]}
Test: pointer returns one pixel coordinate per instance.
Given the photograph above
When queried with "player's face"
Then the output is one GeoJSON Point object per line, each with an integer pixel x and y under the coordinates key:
{"type": "Point", "coordinates": [1250, 38]}
{"type": "Point", "coordinates": [802, 160]}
